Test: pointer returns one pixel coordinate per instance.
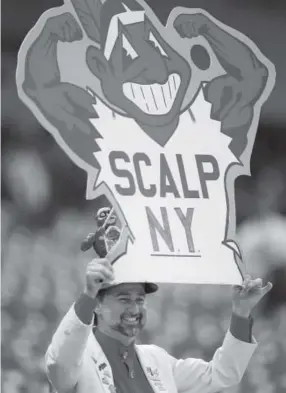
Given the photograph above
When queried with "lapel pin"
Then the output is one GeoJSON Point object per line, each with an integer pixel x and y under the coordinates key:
{"type": "Point", "coordinates": [105, 381]}
{"type": "Point", "coordinates": [112, 389]}
{"type": "Point", "coordinates": [107, 373]}
{"type": "Point", "coordinates": [102, 366]}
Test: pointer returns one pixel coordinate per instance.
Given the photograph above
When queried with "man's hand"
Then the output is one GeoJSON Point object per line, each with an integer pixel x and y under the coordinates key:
{"type": "Point", "coordinates": [63, 28]}
{"type": "Point", "coordinates": [98, 271]}
{"type": "Point", "coordinates": [191, 25]}
{"type": "Point", "coordinates": [246, 296]}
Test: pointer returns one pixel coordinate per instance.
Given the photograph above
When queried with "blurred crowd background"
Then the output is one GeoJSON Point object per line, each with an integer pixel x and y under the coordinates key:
{"type": "Point", "coordinates": [45, 217]}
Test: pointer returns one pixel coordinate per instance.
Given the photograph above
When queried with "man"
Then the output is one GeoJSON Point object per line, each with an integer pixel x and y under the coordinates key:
{"type": "Point", "coordinates": [108, 360]}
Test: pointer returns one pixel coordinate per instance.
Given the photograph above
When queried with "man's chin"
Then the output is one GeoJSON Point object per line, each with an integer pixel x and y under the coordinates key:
{"type": "Point", "coordinates": [130, 331]}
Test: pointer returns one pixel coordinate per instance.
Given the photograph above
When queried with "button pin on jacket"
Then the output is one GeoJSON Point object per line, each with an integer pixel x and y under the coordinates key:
{"type": "Point", "coordinates": [112, 388]}
{"type": "Point", "coordinates": [102, 366]}
{"type": "Point", "coordinates": [107, 373]}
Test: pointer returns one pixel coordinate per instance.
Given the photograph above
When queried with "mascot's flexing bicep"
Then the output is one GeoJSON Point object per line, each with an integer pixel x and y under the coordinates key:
{"type": "Point", "coordinates": [162, 118]}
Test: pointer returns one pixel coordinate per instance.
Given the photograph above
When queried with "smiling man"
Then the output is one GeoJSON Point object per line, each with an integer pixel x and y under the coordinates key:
{"type": "Point", "coordinates": [83, 358]}
{"type": "Point", "coordinates": [121, 310]}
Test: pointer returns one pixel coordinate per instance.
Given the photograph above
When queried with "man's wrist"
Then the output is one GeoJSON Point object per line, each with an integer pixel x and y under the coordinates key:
{"type": "Point", "coordinates": [241, 327]}
{"type": "Point", "coordinates": [241, 313]}
{"type": "Point", "coordinates": [89, 293]}
{"type": "Point", "coordinates": [84, 308]}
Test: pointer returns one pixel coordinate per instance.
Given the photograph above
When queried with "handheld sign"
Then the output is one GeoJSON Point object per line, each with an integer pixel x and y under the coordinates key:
{"type": "Point", "coordinates": [161, 117]}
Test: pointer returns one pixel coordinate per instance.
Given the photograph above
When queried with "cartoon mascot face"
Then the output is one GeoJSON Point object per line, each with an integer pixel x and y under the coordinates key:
{"type": "Point", "coordinates": [139, 72]}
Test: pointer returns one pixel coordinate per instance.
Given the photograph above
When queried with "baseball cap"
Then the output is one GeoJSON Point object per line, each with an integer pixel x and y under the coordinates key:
{"type": "Point", "coordinates": [149, 287]}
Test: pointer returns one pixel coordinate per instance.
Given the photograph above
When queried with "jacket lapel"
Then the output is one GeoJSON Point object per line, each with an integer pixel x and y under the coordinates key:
{"type": "Point", "coordinates": [101, 365]}
{"type": "Point", "coordinates": [151, 371]}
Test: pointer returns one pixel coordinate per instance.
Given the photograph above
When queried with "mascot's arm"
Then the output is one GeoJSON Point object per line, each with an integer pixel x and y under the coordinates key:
{"type": "Point", "coordinates": [234, 94]}
{"type": "Point", "coordinates": [66, 107]}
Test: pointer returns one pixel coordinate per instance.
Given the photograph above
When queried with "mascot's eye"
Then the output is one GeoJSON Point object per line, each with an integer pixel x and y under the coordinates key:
{"type": "Point", "coordinates": [155, 42]}
{"type": "Point", "coordinates": [130, 51]}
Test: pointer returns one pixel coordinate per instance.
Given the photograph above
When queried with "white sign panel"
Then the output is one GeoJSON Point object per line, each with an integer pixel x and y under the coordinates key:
{"type": "Point", "coordinates": [162, 118]}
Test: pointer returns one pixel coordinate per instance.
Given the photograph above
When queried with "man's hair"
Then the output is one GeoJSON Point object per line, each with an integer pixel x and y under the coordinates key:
{"type": "Point", "coordinates": [94, 319]}
{"type": "Point", "coordinates": [101, 293]}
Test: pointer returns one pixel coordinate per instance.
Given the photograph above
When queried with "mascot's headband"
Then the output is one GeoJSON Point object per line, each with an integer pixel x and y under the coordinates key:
{"type": "Point", "coordinates": [126, 18]}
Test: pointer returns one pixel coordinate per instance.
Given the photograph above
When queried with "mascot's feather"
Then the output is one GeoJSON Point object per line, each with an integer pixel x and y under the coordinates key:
{"type": "Point", "coordinates": [88, 12]}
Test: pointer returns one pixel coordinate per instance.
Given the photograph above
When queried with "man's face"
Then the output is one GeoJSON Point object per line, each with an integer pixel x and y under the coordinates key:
{"type": "Point", "coordinates": [122, 309]}
{"type": "Point", "coordinates": [142, 74]}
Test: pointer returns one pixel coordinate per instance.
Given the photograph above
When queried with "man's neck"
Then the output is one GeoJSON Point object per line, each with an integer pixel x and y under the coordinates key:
{"type": "Point", "coordinates": [126, 341]}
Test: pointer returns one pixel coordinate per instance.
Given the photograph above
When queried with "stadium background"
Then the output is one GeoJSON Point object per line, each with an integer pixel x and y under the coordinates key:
{"type": "Point", "coordinates": [45, 216]}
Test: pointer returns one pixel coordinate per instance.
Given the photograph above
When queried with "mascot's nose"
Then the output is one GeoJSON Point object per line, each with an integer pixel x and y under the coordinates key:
{"type": "Point", "coordinates": [155, 68]}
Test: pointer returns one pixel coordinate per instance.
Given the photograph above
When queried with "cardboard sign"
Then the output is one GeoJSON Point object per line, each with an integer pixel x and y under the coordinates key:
{"type": "Point", "coordinates": [162, 118]}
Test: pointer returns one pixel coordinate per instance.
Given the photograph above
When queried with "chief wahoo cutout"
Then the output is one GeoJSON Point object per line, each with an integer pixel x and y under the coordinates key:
{"type": "Point", "coordinates": [161, 117]}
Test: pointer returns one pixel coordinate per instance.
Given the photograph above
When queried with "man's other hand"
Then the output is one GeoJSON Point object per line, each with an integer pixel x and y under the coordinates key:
{"type": "Point", "coordinates": [246, 296]}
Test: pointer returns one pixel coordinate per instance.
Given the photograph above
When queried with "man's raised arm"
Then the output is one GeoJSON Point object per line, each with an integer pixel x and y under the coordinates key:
{"type": "Point", "coordinates": [230, 361]}
{"type": "Point", "coordinates": [64, 357]}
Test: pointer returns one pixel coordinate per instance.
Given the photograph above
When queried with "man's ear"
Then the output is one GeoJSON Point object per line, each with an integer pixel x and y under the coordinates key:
{"type": "Point", "coordinates": [96, 62]}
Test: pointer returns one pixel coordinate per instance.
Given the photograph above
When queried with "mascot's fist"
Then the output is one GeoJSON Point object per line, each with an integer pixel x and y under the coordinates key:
{"type": "Point", "coordinates": [191, 25]}
{"type": "Point", "coordinates": [63, 28]}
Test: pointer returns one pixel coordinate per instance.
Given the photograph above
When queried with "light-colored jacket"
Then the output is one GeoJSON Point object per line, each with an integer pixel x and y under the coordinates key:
{"type": "Point", "coordinates": [74, 362]}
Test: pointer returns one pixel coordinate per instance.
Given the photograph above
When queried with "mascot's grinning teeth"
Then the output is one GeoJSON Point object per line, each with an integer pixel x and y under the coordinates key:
{"type": "Point", "coordinates": [153, 99]}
